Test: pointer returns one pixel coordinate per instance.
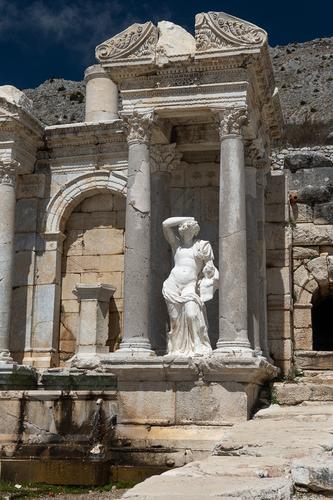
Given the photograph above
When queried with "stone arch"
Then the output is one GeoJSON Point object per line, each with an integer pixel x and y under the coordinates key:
{"type": "Point", "coordinates": [68, 197]}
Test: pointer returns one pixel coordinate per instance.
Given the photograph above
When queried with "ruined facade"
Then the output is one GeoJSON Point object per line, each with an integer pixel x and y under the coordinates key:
{"type": "Point", "coordinates": [175, 125]}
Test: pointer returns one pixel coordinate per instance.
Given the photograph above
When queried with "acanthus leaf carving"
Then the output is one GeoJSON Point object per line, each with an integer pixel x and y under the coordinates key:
{"type": "Point", "coordinates": [217, 30]}
{"type": "Point", "coordinates": [164, 158]}
{"type": "Point", "coordinates": [138, 127]}
{"type": "Point", "coordinates": [8, 171]}
{"type": "Point", "coordinates": [231, 121]}
{"type": "Point", "coordinates": [136, 42]}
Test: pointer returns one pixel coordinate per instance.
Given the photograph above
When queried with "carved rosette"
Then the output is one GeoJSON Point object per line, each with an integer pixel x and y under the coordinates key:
{"type": "Point", "coordinates": [231, 121]}
{"type": "Point", "coordinates": [8, 170]}
{"type": "Point", "coordinates": [138, 127]}
{"type": "Point", "coordinates": [164, 158]}
{"type": "Point", "coordinates": [217, 30]}
{"type": "Point", "coordinates": [138, 41]}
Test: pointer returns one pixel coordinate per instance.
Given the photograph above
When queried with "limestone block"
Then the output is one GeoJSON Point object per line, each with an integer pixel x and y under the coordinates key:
{"type": "Point", "coordinates": [278, 324]}
{"type": "Point", "coordinates": [311, 234]}
{"type": "Point", "coordinates": [277, 258]}
{"type": "Point", "coordinates": [278, 281]}
{"type": "Point", "coordinates": [46, 296]}
{"type": "Point", "coordinates": [119, 203]}
{"type": "Point", "coordinates": [24, 265]}
{"type": "Point", "coordinates": [26, 242]}
{"type": "Point", "coordinates": [84, 220]}
{"type": "Point", "coordinates": [106, 241]}
{"type": "Point", "coordinates": [69, 326]}
{"type": "Point", "coordinates": [99, 203]}
{"type": "Point", "coordinates": [276, 236]}
{"type": "Point", "coordinates": [314, 474]}
{"type": "Point", "coordinates": [150, 403]}
{"type": "Point", "coordinates": [209, 205]}
{"type": "Point", "coordinates": [303, 339]}
{"type": "Point", "coordinates": [68, 284]}
{"type": "Point", "coordinates": [176, 201]}
{"type": "Point", "coordinates": [311, 286]}
{"type": "Point", "coordinates": [47, 267]}
{"type": "Point", "coordinates": [111, 263]}
{"type": "Point", "coordinates": [192, 202]}
{"type": "Point", "coordinates": [276, 191]}
{"type": "Point", "coordinates": [10, 416]}
{"type": "Point", "coordinates": [120, 219]}
{"type": "Point", "coordinates": [305, 253]}
{"type": "Point", "coordinates": [281, 348]}
{"type": "Point", "coordinates": [318, 269]}
{"type": "Point", "coordinates": [277, 212]}
{"type": "Point", "coordinates": [26, 215]}
{"type": "Point", "coordinates": [31, 186]}
{"type": "Point", "coordinates": [70, 306]}
{"type": "Point", "coordinates": [212, 403]}
{"type": "Point", "coordinates": [302, 296]}
{"type": "Point", "coordinates": [177, 178]}
{"type": "Point", "coordinates": [279, 302]}
{"type": "Point", "coordinates": [21, 323]}
{"type": "Point", "coordinates": [302, 317]}
{"type": "Point", "coordinates": [323, 213]}
{"type": "Point", "coordinates": [73, 244]}
{"type": "Point", "coordinates": [302, 213]}
{"type": "Point", "coordinates": [301, 276]}
{"type": "Point", "coordinates": [173, 40]}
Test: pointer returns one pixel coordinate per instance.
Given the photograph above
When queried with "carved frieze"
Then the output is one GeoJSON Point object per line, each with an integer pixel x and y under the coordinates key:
{"type": "Point", "coordinates": [138, 127]}
{"type": "Point", "coordinates": [164, 158]}
{"type": "Point", "coordinates": [231, 121]}
{"type": "Point", "coordinates": [8, 171]}
{"type": "Point", "coordinates": [136, 42]}
{"type": "Point", "coordinates": [217, 30]}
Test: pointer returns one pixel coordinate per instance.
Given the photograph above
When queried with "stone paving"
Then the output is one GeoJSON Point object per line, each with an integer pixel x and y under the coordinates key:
{"type": "Point", "coordinates": [282, 452]}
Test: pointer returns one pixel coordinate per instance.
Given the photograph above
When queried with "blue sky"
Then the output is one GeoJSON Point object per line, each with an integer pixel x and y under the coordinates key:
{"type": "Point", "coordinates": [42, 39]}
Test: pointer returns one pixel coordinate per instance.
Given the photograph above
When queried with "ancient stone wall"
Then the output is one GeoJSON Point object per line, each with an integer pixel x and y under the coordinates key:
{"type": "Point", "coordinates": [93, 253]}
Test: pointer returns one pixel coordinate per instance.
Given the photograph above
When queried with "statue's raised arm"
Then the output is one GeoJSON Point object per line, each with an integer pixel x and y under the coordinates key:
{"type": "Point", "coordinates": [169, 231]}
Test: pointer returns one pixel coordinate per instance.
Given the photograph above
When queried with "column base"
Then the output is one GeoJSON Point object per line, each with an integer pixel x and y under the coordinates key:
{"type": "Point", "coordinates": [135, 345]}
{"type": "Point", "coordinates": [236, 349]}
{"type": "Point", "coordinates": [85, 361]}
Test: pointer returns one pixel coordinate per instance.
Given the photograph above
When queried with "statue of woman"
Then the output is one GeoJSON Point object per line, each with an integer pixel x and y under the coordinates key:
{"type": "Point", "coordinates": [192, 282]}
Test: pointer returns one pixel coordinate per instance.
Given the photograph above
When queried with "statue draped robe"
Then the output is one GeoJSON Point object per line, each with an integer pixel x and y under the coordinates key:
{"type": "Point", "coordinates": [188, 336]}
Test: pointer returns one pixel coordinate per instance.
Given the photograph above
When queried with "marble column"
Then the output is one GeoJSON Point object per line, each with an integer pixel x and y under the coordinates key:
{"type": "Point", "coordinates": [137, 236]}
{"type": "Point", "coordinates": [233, 303]}
{"type": "Point", "coordinates": [261, 255]}
{"type": "Point", "coordinates": [164, 158]}
{"type": "Point", "coordinates": [101, 95]}
{"type": "Point", "coordinates": [252, 257]}
{"type": "Point", "coordinates": [8, 171]}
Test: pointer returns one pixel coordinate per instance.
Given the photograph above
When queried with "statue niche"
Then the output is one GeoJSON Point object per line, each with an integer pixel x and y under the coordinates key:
{"type": "Point", "coordinates": [192, 282]}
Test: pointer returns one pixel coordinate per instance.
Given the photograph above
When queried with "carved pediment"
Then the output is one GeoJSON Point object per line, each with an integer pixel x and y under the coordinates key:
{"type": "Point", "coordinates": [136, 42]}
{"type": "Point", "coordinates": [218, 31]}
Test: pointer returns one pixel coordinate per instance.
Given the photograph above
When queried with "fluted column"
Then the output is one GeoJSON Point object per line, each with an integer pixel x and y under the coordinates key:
{"type": "Point", "coordinates": [164, 158]}
{"type": "Point", "coordinates": [233, 303]}
{"type": "Point", "coordinates": [137, 236]}
{"type": "Point", "coordinates": [8, 171]}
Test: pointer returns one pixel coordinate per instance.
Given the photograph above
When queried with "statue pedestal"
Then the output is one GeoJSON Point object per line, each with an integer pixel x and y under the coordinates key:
{"type": "Point", "coordinates": [214, 390]}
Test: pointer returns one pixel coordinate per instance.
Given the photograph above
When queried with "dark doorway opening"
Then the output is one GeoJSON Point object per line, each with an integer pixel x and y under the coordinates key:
{"type": "Point", "coordinates": [322, 323]}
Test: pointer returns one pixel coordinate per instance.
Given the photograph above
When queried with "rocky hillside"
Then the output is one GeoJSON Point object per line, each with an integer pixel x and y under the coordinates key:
{"type": "Point", "coordinates": [304, 75]}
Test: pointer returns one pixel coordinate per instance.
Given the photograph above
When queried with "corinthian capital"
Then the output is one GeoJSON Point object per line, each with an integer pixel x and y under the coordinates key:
{"type": "Point", "coordinates": [231, 121]}
{"type": "Point", "coordinates": [8, 170]}
{"type": "Point", "coordinates": [138, 127]}
{"type": "Point", "coordinates": [164, 158]}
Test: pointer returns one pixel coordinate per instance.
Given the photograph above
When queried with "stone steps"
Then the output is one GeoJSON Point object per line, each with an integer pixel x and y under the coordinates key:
{"type": "Point", "coordinates": [314, 386]}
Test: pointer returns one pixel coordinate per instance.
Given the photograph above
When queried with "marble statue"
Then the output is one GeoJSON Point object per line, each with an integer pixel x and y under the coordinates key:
{"type": "Point", "coordinates": [192, 282]}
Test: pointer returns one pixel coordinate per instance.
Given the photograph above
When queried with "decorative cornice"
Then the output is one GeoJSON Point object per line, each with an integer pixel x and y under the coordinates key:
{"type": "Point", "coordinates": [136, 42]}
{"type": "Point", "coordinates": [8, 171]}
{"type": "Point", "coordinates": [138, 127]}
{"type": "Point", "coordinates": [164, 158]}
{"type": "Point", "coordinates": [218, 31]}
{"type": "Point", "coordinates": [231, 121]}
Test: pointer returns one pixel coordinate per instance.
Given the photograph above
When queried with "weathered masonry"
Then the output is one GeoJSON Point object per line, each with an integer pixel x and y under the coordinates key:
{"type": "Point", "coordinates": [175, 125]}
